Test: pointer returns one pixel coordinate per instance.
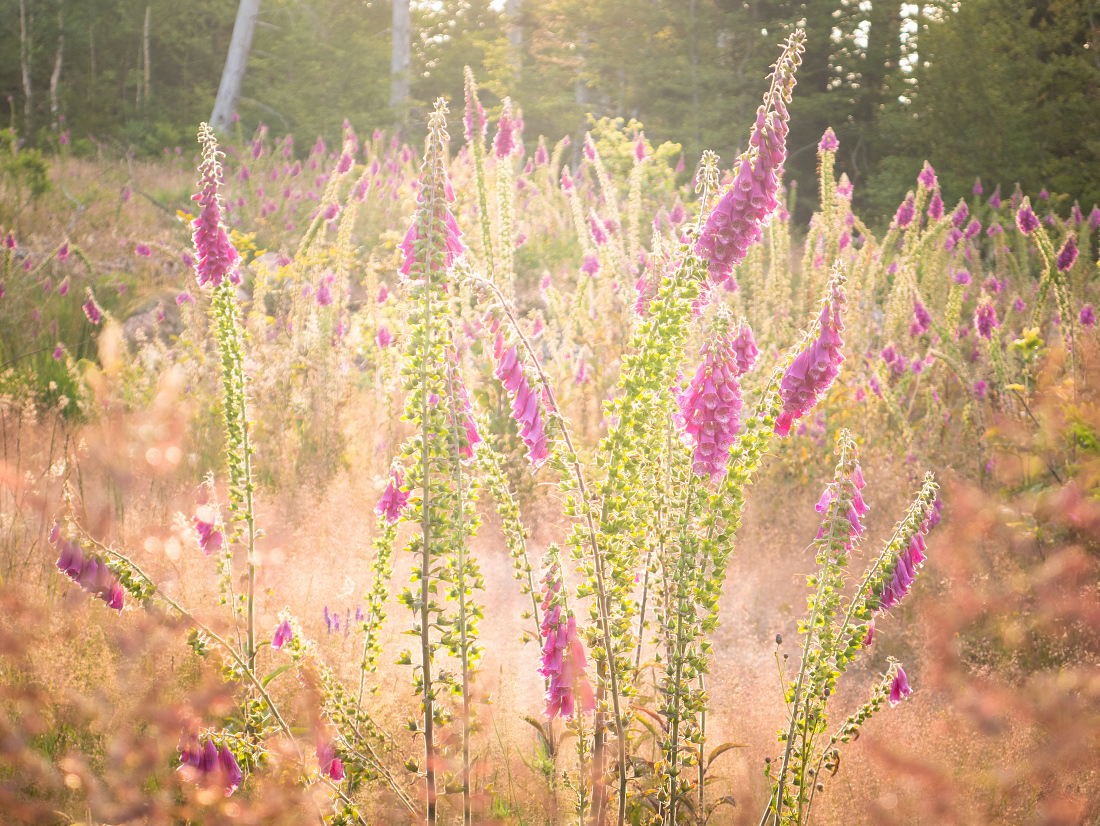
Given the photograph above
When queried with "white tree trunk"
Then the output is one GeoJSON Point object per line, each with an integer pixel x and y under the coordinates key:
{"type": "Point", "coordinates": [25, 67]}
{"type": "Point", "coordinates": [55, 78]}
{"type": "Point", "coordinates": [399, 62]}
{"type": "Point", "coordinates": [229, 91]}
{"type": "Point", "coordinates": [145, 56]}
{"type": "Point", "coordinates": [515, 33]}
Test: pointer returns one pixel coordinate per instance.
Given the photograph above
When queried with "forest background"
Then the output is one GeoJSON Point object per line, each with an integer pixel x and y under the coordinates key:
{"type": "Point", "coordinates": [1005, 90]}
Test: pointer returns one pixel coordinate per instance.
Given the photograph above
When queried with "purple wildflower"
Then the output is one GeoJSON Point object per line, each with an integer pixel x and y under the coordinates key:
{"type": "Point", "coordinates": [813, 370]}
{"type": "Point", "coordinates": [330, 765]}
{"type": "Point", "coordinates": [1044, 194]}
{"type": "Point", "coordinates": [1026, 220]}
{"type": "Point", "coordinates": [92, 309]}
{"type": "Point", "coordinates": [973, 228]}
{"type": "Point", "coordinates": [504, 144]}
{"type": "Point", "coordinates": [900, 578]}
{"type": "Point", "coordinates": [1088, 317]}
{"type": "Point", "coordinates": [591, 264]}
{"type": "Point", "coordinates": [927, 177]}
{"type": "Point", "coordinates": [1075, 213]}
{"type": "Point", "coordinates": [206, 524]}
{"type": "Point", "coordinates": [906, 212]}
{"type": "Point", "coordinates": [283, 634]}
{"type": "Point", "coordinates": [443, 219]}
{"type": "Point", "coordinates": [985, 320]}
{"type": "Point", "coordinates": [899, 687]}
{"type": "Point", "coordinates": [598, 234]}
{"type": "Point", "coordinates": [962, 277]}
{"type": "Point", "coordinates": [525, 401]}
{"type": "Point", "coordinates": [828, 142]}
{"type": "Point", "coordinates": [1019, 305]}
{"type": "Point", "coordinates": [958, 217]}
{"type": "Point", "coordinates": [935, 206]}
{"type": "Point", "coordinates": [922, 320]}
{"type": "Point", "coordinates": [734, 224]}
{"type": "Point", "coordinates": [563, 662]}
{"type": "Point", "coordinates": [89, 572]}
{"type": "Point", "coordinates": [1068, 254]}
{"type": "Point", "coordinates": [977, 190]}
{"type": "Point", "coordinates": [1094, 217]}
{"type": "Point", "coordinates": [710, 408]}
{"type": "Point", "coordinates": [394, 500]}
{"type": "Point", "coordinates": [995, 199]}
{"type": "Point", "coordinates": [676, 216]}
{"type": "Point", "coordinates": [385, 337]}
{"type": "Point", "coordinates": [889, 354]}
{"type": "Point", "coordinates": [217, 257]}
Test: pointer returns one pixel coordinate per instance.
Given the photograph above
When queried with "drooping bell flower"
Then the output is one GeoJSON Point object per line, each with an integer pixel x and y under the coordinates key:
{"type": "Point", "coordinates": [814, 370]}
{"type": "Point", "coordinates": [217, 257]}
{"type": "Point", "coordinates": [465, 412]}
{"type": "Point", "coordinates": [745, 350]}
{"type": "Point", "coordinates": [562, 662]}
{"type": "Point", "coordinates": [736, 220]}
{"type": "Point", "coordinates": [899, 688]}
{"type": "Point", "coordinates": [869, 637]}
{"type": "Point", "coordinates": [91, 308]}
{"type": "Point", "coordinates": [847, 489]}
{"type": "Point", "coordinates": [330, 765]}
{"type": "Point", "coordinates": [710, 408]}
{"type": "Point", "coordinates": [525, 401]}
{"type": "Point", "coordinates": [394, 500]}
{"type": "Point", "coordinates": [905, 567]}
{"type": "Point", "coordinates": [283, 634]}
{"type": "Point", "coordinates": [828, 142]}
{"type": "Point", "coordinates": [206, 525]}
{"type": "Point", "coordinates": [1068, 254]}
{"type": "Point", "coordinates": [202, 761]}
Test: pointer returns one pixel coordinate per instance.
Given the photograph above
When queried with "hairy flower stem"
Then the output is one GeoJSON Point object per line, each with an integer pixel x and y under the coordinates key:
{"type": "Point", "coordinates": [460, 584]}
{"type": "Point", "coordinates": [603, 607]}
{"type": "Point", "coordinates": [426, 525]}
{"type": "Point", "coordinates": [777, 810]}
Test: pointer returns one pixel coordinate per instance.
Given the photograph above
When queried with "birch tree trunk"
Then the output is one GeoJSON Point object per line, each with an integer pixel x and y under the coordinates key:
{"type": "Point", "coordinates": [25, 67]}
{"type": "Point", "coordinates": [229, 91]}
{"type": "Point", "coordinates": [55, 77]}
{"type": "Point", "coordinates": [145, 56]}
{"type": "Point", "coordinates": [399, 61]}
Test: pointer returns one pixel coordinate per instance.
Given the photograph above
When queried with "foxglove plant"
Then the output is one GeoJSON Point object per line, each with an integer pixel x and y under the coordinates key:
{"type": "Point", "coordinates": [835, 631]}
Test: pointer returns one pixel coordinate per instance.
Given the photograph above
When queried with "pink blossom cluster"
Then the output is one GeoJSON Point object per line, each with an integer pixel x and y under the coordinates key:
{"type": "Point", "coordinates": [710, 406]}
{"type": "Point", "coordinates": [217, 257]}
{"type": "Point", "coordinates": [734, 224]}
{"type": "Point", "coordinates": [1067, 256]}
{"type": "Point", "coordinates": [856, 508]}
{"type": "Point", "coordinates": [394, 500]}
{"type": "Point", "coordinates": [814, 370]}
{"type": "Point", "coordinates": [563, 662]}
{"type": "Point", "coordinates": [525, 401]}
{"type": "Point", "coordinates": [90, 572]}
{"type": "Point", "coordinates": [283, 634]}
{"type": "Point", "coordinates": [203, 761]}
{"type": "Point", "coordinates": [465, 412]}
{"type": "Point", "coordinates": [922, 320]}
{"type": "Point", "coordinates": [905, 570]}
{"type": "Point", "coordinates": [443, 223]}
{"type": "Point", "coordinates": [505, 144]}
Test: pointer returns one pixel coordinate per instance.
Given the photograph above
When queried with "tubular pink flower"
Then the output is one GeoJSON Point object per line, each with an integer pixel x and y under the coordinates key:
{"type": "Point", "coordinates": [735, 222]}
{"type": "Point", "coordinates": [217, 257]}
{"type": "Point", "coordinates": [283, 634]}
{"type": "Point", "coordinates": [710, 406]}
{"type": "Point", "coordinates": [1026, 221]}
{"type": "Point", "coordinates": [906, 566]}
{"type": "Point", "coordinates": [525, 401]}
{"type": "Point", "coordinates": [1067, 256]}
{"type": "Point", "coordinates": [562, 662]}
{"type": "Point", "coordinates": [1087, 317]}
{"type": "Point", "coordinates": [935, 206]}
{"type": "Point", "coordinates": [443, 224]}
{"type": "Point", "coordinates": [91, 308]}
{"type": "Point", "coordinates": [899, 688]}
{"type": "Point", "coordinates": [828, 142]}
{"type": "Point", "coordinates": [927, 177]}
{"type": "Point", "coordinates": [206, 524]}
{"type": "Point", "coordinates": [905, 212]}
{"type": "Point", "coordinates": [330, 765]}
{"type": "Point", "coordinates": [394, 500]}
{"type": "Point", "coordinates": [814, 370]}
{"type": "Point", "coordinates": [958, 217]}
{"type": "Point", "coordinates": [465, 419]}
{"type": "Point", "coordinates": [922, 320]}
{"type": "Point", "coordinates": [985, 320]}
{"type": "Point", "coordinates": [504, 144]}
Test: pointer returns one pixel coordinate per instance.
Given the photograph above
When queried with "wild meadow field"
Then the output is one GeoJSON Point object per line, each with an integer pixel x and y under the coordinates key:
{"type": "Point", "coordinates": [493, 478]}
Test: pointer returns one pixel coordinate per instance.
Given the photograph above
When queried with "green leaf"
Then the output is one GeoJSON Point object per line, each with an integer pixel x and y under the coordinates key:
{"type": "Point", "coordinates": [269, 677]}
{"type": "Point", "coordinates": [722, 749]}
